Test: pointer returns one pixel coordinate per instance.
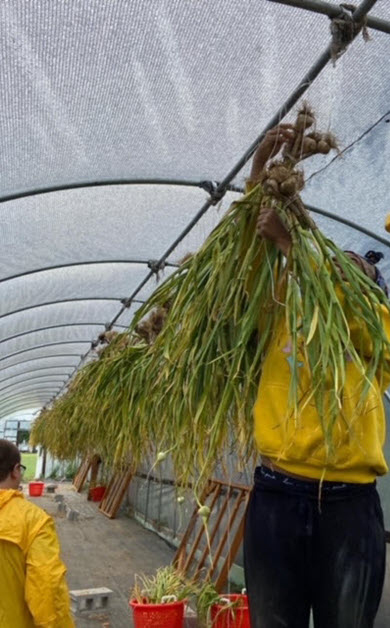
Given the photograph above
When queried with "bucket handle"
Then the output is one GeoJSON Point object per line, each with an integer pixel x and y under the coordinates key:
{"type": "Point", "coordinates": [166, 599]}
{"type": "Point", "coordinates": [224, 600]}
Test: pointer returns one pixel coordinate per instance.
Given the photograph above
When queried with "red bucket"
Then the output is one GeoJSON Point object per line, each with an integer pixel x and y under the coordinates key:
{"type": "Point", "coordinates": [169, 615]}
{"type": "Point", "coordinates": [97, 493]}
{"type": "Point", "coordinates": [35, 489]}
{"type": "Point", "coordinates": [237, 616]}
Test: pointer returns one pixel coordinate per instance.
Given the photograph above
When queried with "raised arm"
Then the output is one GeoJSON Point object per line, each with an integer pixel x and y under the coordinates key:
{"type": "Point", "coordinates": [269, 148]}
{"type": "Point", "coordinates": [269, 225]}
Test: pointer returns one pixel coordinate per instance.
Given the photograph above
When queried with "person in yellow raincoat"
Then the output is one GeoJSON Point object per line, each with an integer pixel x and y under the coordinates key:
{"type": "Point", "coordinates": [33, 590]}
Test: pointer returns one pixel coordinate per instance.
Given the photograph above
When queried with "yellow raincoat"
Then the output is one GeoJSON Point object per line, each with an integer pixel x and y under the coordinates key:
{"type": "Point", "coordinates": [33, 591]}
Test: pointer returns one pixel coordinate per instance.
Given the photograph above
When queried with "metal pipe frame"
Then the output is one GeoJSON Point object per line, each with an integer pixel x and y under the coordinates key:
{"type": "Point", "coordinates": [19, 408]}
{"type": "Point", "coordinates": [43, 368]}
{"type": "Point", "coordinates": [42, 379]}
{"type": "Point", "coordinates": [12, 406]}
{"type": "Point", "coordinates": [27, 402]}
{"type": "Point", "coordinates": [59, 301]}
{"type": "Point", "coordinates": [7, 406]}
{"type": "Point", "coordinates": [349, 223]}
{"type": "Point", "coordinates": [33, 331]}
{"type": "Point", "coordinates": [47, 344]}
{"type": "Point", "coordinates": [28, 391]}
{"type": "Point", "coordinates": [332, 11]}
{"type": "Point", "coordinates": [4, 414]}
{"type": "Point", "coordinates": [16, 396]}
{"type": "Point", "coordinates": [103, 183]}
{"type": "Point", "coordinates": [29, 388]}
{"type": "Point", "coordinates": [44, 357]}
{"type": "Point", "coordinates": [76, 264]}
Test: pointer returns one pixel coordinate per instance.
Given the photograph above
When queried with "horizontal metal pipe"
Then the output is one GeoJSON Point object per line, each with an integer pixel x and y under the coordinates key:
{"type": "Point", "coordinates": [47, 344]}
{"type": "Point", "coordinates": [43, 357]}
{"type": "Point", "coordinates": [5, 413]}
{"type": "Point", "coordinates": [43, 368]}
{"type": "Point", "coordinates": [104, 183]}
{"type": "Point", "coordinates": [24, 404]}
{"type": "Point", "coordinates": [35, 271]}
{"type": "Point", "coordinates": [33, 331]}
{"type": "Point", "coordinates": [57, 302]}
{"type": "Point", "coordinates": [18, 408]}
{"type": "Point", "coordinates": [349, 223]}
{"type": "Point", "coordinates": [332, 11]}
{"type": "Point", "coordinates": [34, 390]}
{"type": "Point", "coordinates": [31, 392]}
{"type": "Point", "coordinates": [43, 379]}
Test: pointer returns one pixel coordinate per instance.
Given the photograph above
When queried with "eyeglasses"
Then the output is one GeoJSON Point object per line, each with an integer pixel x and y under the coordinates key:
{"type": "Point", "coordinates": [22, 467]}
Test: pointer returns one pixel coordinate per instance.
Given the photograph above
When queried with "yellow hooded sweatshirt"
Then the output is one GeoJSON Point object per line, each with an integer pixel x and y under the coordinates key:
{"type": "Point", "coordinates": [33, 591]}
{"type": "Point", "coordinates": [359, 434]}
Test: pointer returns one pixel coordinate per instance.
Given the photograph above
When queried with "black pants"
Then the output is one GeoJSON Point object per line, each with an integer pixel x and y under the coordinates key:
{"type": "Point", "coordinates": [302, 552]}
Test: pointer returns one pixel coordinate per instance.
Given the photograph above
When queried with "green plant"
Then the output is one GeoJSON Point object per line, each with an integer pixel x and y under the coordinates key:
{"type": "Point", "coordinates": [206, 597]}
{"type": "Point", "coordinates": [70, 470]}
{"type": "Point", "coordinates": [54, 473]}
{"type": "Point", "coordinates": [166, 582]}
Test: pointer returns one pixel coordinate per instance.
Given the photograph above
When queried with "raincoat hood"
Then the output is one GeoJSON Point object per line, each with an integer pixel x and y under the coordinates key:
{"type": "Point", "coordinates": [20, 520]}
{"type": "Point", "coordinates": [6, 494]}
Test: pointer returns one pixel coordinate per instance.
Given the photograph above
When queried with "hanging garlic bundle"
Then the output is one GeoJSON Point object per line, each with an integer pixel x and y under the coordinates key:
{"type": "Point", "coordinates": [189, 383]}
{"type": "Point", "coordinates": [325, 290]}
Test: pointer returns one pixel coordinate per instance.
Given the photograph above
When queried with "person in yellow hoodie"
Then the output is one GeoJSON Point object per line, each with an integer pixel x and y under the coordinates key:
{"type": "Point", "coordinates": [33, 590]}
{"type": "Point", "coordinates": [314, 537]}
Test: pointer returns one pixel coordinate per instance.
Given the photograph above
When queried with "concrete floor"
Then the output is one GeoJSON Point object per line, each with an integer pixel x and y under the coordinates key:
{"type": "Point", "coordinates": [100, 552]}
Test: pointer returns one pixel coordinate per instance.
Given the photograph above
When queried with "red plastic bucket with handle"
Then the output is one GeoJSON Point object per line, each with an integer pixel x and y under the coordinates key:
{"type": "Point", "coordinates": [231, 612]}
{"type": "Point", "coordinates": [35, 489]}
{"type": "Point", "coordinates": [167, 615]}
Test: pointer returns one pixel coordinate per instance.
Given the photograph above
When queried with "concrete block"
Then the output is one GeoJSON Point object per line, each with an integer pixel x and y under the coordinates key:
{"type": "Point", "coordinates": [51, 488]}
{"type": "Point", "coordinates": [90, 600]}
{"type": "Point", "coordinates": [71, 514]}
{"type": "Point", "coordinates": [190, 618]}
{"type": "Point", "coordinates": [61, 508]}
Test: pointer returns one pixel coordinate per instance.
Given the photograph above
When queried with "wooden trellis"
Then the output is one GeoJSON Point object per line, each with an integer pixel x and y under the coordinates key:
{"type": "Point", "coordinates": [114, 494]}
{"type": "Point", "coordinates": [228, 504]}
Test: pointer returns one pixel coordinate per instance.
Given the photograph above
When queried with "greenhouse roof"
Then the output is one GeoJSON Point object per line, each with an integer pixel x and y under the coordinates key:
{"type": "Point", "coordinates": [122, 125]}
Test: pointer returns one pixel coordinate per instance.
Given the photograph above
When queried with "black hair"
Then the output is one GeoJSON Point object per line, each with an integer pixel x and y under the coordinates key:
{"type": "Point", "coordinates": [373, 257]}
{"type": "Point", "coordinates": [9, 457]}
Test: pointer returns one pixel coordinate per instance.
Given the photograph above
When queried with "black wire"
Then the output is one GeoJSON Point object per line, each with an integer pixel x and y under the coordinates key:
{"type": "Point", "coordinates": [347, 148]}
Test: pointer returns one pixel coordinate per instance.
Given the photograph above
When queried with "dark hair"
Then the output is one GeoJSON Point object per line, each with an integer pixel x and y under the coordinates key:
{"type": "Point", "coordinates": [9, 457]}
{"type": "Point", "coordinates": [373, 257]}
